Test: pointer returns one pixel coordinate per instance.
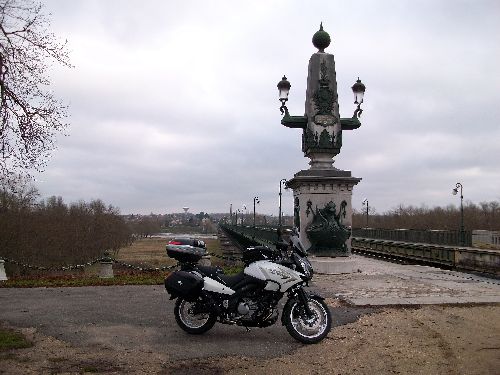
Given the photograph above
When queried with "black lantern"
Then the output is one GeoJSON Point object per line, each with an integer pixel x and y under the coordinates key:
{"type": "Point", "coordinates": [359, 91]}
{"type": "Point", "coordinates": [284, 90]}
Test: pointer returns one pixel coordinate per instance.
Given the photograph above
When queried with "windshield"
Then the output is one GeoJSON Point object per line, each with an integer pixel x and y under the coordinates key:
{"type": "Point", "coordinates": [298, 245]}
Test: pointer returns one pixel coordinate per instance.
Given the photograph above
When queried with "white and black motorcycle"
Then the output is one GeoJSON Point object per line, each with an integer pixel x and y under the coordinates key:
{"type": "Point", "coordinates": [249, 299]}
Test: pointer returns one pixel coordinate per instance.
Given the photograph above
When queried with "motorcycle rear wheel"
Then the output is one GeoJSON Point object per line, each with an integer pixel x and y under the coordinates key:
{"type": "Point", "coordinates": [190, 322]}
{"type": "Point", "coordinates": [304, 328]}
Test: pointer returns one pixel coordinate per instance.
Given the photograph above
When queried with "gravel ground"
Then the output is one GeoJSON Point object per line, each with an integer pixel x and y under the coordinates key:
{"type": "Point", "coordinates": [417, 340]}
{"type": "Point", "coordinates": [131, 330]}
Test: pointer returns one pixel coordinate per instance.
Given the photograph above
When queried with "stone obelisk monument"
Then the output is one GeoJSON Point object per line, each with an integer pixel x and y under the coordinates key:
{"type": "Point", "coordinates": [322, 194]}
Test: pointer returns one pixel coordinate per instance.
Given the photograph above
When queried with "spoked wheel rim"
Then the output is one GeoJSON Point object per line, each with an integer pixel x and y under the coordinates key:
{"type": "Point", "coordinates": [189, 318]}
{"type": "Point", "coordinates": [309, 326]}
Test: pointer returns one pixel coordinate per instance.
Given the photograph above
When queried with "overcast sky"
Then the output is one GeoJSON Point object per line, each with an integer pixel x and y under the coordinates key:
{"type": "Point", "coordinates": [174, 103]}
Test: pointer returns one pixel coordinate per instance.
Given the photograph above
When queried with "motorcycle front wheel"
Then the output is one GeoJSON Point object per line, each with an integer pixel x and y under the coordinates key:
{"type": "Point", "coordinates": [308, 329]}
{"type": "Point", "coordinates": [191, 319]}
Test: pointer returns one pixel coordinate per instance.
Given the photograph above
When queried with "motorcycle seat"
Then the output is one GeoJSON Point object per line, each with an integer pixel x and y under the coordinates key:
{"type": "Point", "coordinates": [212, 272]}
{"type": "Point", "coordinates": [231, 280]}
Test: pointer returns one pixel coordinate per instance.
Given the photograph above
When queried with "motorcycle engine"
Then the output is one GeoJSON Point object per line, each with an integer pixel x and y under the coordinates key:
{"type": "Point", "coordinates": [243, 308]}
{"type": "Point", "coordinates": [247, 308]}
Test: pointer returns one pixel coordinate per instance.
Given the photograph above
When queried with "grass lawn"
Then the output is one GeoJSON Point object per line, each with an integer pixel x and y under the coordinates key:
{"type": "Point", "coordinates": [121, 278]}
{"type": "Point", "coordinates": [10, 339]}
{"type": "Point", "coordinates": [146, 251]}
{"type": "Point", "coordinates": [151, 252]}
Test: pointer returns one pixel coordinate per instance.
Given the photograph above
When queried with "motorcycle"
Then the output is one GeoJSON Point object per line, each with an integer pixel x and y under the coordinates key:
{"type": "Point", "coordinates": [205, 295]}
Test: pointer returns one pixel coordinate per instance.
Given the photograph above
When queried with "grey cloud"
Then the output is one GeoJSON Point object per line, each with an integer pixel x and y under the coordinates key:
{"type": "Point", "coordinates": [177, 104]}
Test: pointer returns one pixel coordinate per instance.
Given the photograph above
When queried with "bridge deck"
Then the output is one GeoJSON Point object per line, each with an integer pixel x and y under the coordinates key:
{"type": "Point", "coordinates": [386, 283]}
{"type": "Point", "coordinates": [459, 258]}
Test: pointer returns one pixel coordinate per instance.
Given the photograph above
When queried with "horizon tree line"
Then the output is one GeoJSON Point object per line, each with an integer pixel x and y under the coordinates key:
{"type": "Point", "coordinates": [51, 232]}
{"type": "Point", "coordinates": [485, 215]}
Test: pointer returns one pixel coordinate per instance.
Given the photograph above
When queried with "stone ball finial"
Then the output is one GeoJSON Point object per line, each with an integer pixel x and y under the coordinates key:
{"type": "Point", "coordinates": [321, 39]}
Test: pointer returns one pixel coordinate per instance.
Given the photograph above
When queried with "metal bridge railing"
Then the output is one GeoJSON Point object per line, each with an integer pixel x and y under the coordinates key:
{"type": "Point", "coordinates": [438, 248]}
{"type": "Point", "coordinates": [251, 236]}
{"type": "Point", "coordinates": [430, 236]}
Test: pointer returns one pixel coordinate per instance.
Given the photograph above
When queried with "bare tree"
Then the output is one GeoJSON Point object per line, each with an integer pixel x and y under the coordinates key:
{"type": "Point", "coordinates": [30, 115]}
{"type": "Point", "coordinates": [51, 233]}
{"type": "Point", "coordinates": [18, 190]}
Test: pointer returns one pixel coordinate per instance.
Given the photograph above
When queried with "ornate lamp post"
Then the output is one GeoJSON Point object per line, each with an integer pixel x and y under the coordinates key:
{"type": "Point", "coordinates": [282, 181]}
{"type": "Point", "coordinates": [462, 230]}
{"type": "Point", "coordinates": [322, 193]}
{"type": "Point", "coordinates": [322, 125]}
{"type": "Point", "coordinates": [365, 202]}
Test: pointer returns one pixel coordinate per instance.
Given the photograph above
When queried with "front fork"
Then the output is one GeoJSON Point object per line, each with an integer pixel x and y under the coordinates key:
{"type": "Point", "coordinates": [301, 293]}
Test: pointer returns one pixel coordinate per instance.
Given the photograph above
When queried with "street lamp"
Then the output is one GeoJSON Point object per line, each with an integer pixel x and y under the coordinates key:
{"type": "Point", "coordinates": [284, 90]}
{"type": "Point", "coordinates": [359, 91]}
{"type": "Point", "coordinates": [255, 200]}
{"type": "Point", "coordinates": [282, 182]}
{"type": "Point", "coordinates": [365, 202]}
{"type": "Point", "coordinates": [244, 214]}
{"type": "Point", "coordinates": [236, 213]}
{"type": "Point", "coordinates": [462, 230]}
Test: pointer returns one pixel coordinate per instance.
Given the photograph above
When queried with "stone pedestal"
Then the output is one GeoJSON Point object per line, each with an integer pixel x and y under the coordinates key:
{"type": "Point", "coordinates": [3, 275]}
{"type": "Point", "coordinates": [106, 270]}
{"type": "Point", "coordinates": [334, 266]}
{"type": "Point", "coordinates": [315, 189]}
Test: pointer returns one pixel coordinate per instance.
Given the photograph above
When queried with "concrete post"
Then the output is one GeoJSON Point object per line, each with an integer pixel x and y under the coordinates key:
{"type": "Point", "coordinates": [106, 270]}
{"type": "Point", "coordinates": [3, 275]}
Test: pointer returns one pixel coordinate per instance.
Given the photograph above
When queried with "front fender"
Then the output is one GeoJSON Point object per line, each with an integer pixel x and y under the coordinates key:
{"type": "Point", "coordinates": [315, 296]}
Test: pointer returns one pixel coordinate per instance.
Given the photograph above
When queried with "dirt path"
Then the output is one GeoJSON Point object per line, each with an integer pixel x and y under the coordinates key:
{"type": "Point", "coordinates": [426, 340]}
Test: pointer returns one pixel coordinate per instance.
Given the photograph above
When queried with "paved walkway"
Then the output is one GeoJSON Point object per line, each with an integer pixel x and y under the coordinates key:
{"type": "Point", "coordinates": [385, 283]}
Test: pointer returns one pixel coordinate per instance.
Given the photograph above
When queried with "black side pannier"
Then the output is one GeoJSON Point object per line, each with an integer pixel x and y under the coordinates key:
{"type": "Point", "coordinates": [184, 284]}
{"type": "Point", "coordinates": [253, 254]}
